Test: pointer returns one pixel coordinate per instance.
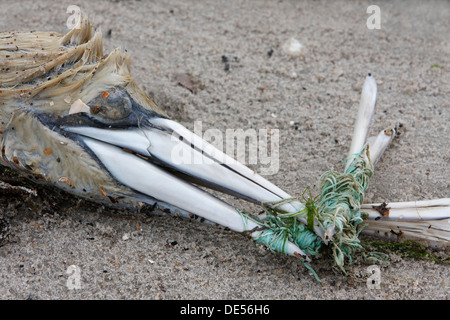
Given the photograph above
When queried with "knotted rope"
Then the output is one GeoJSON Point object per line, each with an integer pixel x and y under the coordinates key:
{"type": "Point", "coordinates": [336, 211]}
{"type": "Point", "coordinates": [339, 204]}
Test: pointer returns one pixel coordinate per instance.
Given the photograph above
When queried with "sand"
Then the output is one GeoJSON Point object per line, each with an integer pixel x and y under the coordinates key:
{"type": "Point", "coordinates": [246, 80]}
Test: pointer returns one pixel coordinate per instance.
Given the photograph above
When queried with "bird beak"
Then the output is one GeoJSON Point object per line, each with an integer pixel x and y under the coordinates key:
{"type": "Point", "coordinates": [162, 158]}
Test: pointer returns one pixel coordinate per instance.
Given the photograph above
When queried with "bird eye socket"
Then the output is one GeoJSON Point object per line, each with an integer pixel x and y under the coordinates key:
{"type": "Point", "coordinates": [114, 104]}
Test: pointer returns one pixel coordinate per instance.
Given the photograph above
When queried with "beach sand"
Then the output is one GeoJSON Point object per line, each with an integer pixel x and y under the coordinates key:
{"type": "Point", "coordinates": [245, 80]}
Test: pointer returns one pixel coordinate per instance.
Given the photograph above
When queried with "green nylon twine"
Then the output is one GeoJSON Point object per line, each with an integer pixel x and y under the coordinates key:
{"type": "Point", "coordinates": [336, 211]}
{"type": "Point", "coordinates": [339, 204]}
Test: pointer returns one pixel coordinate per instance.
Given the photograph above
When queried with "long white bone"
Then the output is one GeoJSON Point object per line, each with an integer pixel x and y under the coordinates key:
{"type": "Point", "coordinates": [365, 115]}
{"type": "Point", "coordinates": [379, 143]}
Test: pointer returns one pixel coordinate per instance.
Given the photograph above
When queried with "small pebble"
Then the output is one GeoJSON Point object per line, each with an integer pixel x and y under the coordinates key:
{"type": "Point", "coordinates": [293, 47]}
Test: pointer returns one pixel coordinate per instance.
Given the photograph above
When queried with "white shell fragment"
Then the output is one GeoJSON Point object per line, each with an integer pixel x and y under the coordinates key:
{"type": "Point", "coordinates": [78, 107]}
{"type": "Point", "coordinates": [293, 47]}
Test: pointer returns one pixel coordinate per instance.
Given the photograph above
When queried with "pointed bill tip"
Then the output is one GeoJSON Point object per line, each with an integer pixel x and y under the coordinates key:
{"type": "Point", "coordinates": [370, 87]}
